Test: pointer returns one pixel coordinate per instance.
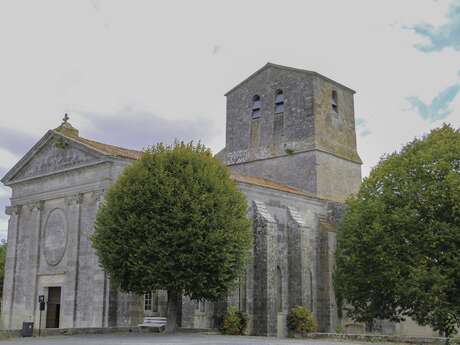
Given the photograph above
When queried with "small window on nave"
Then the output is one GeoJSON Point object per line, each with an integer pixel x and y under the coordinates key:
{"type": "Point", "coordinates": [148, 301]}
{"type": "Point", "coordinates": [151, 301]}
{"type": "Point", "coordinates": [201, 306]}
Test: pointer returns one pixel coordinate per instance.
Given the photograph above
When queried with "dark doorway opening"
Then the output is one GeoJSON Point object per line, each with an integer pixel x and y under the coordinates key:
{"type": "Point", "coordinates": [54, 307]}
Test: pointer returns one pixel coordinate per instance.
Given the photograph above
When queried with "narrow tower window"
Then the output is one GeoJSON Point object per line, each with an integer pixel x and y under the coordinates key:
{"type": "Point", "coordinates": [256, 105]}
{"type": "Point", "coordinates": [334, 102]}
{"type": "Point", "coordinates": [279, 102]}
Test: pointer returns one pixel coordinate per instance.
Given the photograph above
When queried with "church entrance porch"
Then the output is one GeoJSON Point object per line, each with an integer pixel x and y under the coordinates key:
{"type": "Point", "coordinates": [53, 310]}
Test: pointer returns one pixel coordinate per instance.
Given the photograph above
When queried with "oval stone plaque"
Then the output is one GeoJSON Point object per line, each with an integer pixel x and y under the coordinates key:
{"type": "Point", "coordinates": [55, 237]}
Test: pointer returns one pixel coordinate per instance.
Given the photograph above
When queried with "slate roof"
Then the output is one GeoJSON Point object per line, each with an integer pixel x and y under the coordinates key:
{"type": "Point", "coordinates": [110, 150]}
{"type": "Point", "coordinates": [262, 182]}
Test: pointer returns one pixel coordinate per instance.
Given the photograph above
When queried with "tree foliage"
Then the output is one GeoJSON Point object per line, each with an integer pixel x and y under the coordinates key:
{"type": "Point", "coordinates": [300, 320]}
{"type": "Point", "coordinates": [398, 248]}
{"type": "Point", "coordinates": [174, 220]}
{"type": "Point", "coordinates": [2, 265]}
{"type": "Point", "coordinates": [235, 322]}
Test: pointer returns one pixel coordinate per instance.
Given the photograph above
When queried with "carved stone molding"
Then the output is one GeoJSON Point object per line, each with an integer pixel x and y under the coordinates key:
{"type": "Point", "coordinates": [55, 236]}
{"type": "Point", "coordinates": [75, 199]}
{"type": "Point", "coordinates": [58, 154]}
{"type": "Point", "coordinates": [98, 195]}
{"type": "Point", "coordinates": [35, 205]}
{"type": "Point", "coordinates": [13, 210]}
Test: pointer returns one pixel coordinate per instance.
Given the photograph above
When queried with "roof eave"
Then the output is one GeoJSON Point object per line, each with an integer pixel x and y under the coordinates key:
{"type": "Point", "coordinates": [286, 68]}
{"type": "Point", "coordinates": [26, 158]}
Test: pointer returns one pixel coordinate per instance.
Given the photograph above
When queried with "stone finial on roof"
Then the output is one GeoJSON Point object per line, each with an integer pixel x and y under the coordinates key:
{"type": "Point", "coordinates": [66, 128]}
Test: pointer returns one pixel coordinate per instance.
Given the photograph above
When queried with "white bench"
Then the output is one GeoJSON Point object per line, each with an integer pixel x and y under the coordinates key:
{"type": "Point", "coordinates": [153, 321]}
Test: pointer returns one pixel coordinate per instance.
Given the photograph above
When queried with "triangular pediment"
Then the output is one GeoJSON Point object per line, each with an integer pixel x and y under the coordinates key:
{"type": "Point", "coordinates": [52, 154]}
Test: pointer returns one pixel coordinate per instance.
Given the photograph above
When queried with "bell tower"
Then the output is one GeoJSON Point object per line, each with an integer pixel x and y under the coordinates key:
{"type": "Point", "coordinates": [295, 127]}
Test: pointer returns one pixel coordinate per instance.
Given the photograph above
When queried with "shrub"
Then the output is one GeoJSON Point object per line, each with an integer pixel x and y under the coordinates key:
{"type": "Point", "coordinates": [339, 329]}
{"type": "Point", "coordinates": [235, 322]}
{"type": "Point", "coordinates": [300, 320]}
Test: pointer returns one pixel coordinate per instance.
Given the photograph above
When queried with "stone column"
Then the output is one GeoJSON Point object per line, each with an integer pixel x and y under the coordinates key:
{"type": "Point", "coordinates": [10, 265]}
{"type": "Point", "coordinates": [300, 261]}
{"type": "Point", "coordinates": [265, 311]}
{"type": "Point", "coordinates": [70, 291]}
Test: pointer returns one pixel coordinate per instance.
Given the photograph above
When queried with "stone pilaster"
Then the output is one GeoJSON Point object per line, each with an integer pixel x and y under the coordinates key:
{"type": "Point", "coordinates": [301, 261]}
{"type": "Point", "coordinates": [10, 265]}
{"type": "Point", "coordinates": [327, 306]}
{"type": "Point", "coordinates": [35, 238]}
{"type": "Point", "coordinates": [70, 291]}
{"type": "Point", "coordinates": [265, 312]}
{"type": "Point", "coordinates": [101, 278]}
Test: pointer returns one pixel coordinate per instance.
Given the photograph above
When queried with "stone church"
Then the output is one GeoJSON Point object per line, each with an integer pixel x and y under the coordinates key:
{"type": "Point", "coordinates": [291, 147]}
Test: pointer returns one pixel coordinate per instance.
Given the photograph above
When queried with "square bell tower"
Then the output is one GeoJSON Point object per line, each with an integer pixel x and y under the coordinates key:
{"type": "Point", "coordinates": [294, 127]}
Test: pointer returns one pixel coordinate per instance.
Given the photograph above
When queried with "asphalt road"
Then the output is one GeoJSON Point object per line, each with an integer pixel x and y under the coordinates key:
{"type": "Point", "coordinates": [156, 339]}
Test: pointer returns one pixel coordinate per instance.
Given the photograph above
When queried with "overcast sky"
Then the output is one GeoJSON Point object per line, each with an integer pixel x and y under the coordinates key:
{"type": "Point", "coordinates": [134, 73]}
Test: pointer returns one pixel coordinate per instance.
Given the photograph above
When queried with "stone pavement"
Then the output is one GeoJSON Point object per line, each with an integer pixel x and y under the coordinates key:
{"type": "Point", "coordinates": [156, 339]}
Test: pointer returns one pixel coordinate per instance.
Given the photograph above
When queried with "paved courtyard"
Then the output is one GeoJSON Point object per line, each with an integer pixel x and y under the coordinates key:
{"type": "Point", "coordinates": [155, 339]}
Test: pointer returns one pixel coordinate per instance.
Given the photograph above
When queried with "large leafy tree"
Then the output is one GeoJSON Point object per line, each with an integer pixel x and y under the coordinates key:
{"type": "Point", "coordinates": [174, 220]}
{"type": "Point", "coordinates": [2, 265]}
{"type": "Point", "coordinates": [398, 251]}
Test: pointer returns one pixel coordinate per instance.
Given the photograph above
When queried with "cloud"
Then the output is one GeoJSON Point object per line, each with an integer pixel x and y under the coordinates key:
{"type": "Point", "coordinates": [15, 141]}
{"type": "Point", "coordinates": [136, 129]}
{"type": "Point", "coordinates": [361, 127]}
{"type": "Point", "coordinates": [446, 35]}
{"type": "Point", "coordinates": [216, 49]}
{"type": "Point", "coordinates": [4, 201]}
{"type": "Point", "coordinates": [439, 107]}
{"type": "Point", "coordinates": [3, 231]}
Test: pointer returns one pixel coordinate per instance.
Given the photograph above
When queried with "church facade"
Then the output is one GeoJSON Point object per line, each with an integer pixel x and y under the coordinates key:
{"type": "Point", "coordinates": [291, 147]}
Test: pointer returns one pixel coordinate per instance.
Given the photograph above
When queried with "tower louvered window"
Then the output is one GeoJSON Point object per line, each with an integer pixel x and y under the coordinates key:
{"type": "Point", "coordinates": [334, 102]}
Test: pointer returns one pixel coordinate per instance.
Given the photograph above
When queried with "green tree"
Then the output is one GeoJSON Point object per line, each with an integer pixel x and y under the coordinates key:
{"type": "Point", "coordinates": [398, 250]}
{"type": "Point", "coordinates": [174, 220]}
{"type": "Point", "coordinates": [2, 265]}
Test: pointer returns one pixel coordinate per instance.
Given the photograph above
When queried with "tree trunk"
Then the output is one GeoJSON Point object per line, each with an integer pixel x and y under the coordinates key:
{"type": "Point", "coordinates": [173, 308]}
{"type": "Point", "coordinates": [179, 310]}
